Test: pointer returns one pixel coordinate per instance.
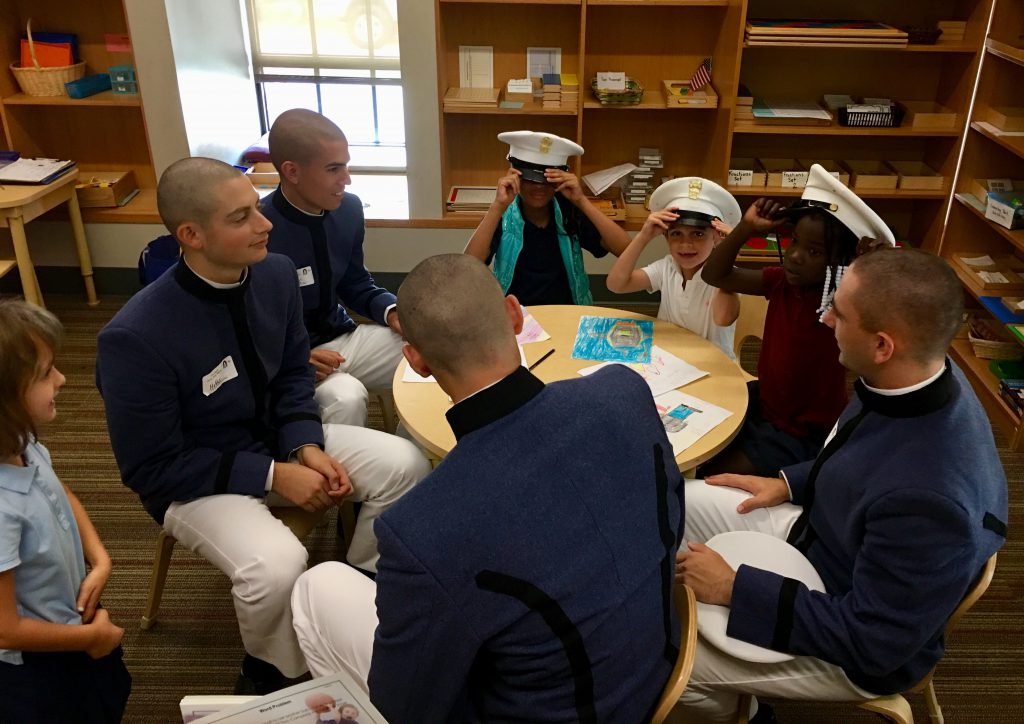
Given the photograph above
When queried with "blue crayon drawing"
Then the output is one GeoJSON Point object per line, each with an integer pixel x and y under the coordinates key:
{"type": "Point", "coordinates": [611, 339]}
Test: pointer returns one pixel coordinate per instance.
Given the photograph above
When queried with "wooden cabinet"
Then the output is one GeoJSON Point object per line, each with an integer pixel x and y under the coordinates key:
{"type": "Point", "coordinates": [989, 154]}
{"type": "Point", "coordinates": [101, 132]}
{"type": "Point", "coordinates": [654, 40]}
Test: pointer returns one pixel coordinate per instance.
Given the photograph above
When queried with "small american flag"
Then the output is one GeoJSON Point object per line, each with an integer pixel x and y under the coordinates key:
{"type": "Point", "coordinates": [702, 76]}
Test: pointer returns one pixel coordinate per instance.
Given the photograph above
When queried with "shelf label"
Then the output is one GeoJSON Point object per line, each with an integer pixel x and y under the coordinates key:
{"type": "Point", "coordinates": [1002, 214]}
{"type": "Point", "coordinates": [741, 177]}
{"type": "Point", "coordinates": [794, 179]}
{"type": "Point", "coordinates": [611, 81]}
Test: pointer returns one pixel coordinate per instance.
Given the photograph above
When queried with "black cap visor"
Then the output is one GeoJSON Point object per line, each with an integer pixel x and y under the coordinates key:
{"type": "Point", "coordinates": [692, 218]}
{"type": "Point", "coordinates": [532, 171]}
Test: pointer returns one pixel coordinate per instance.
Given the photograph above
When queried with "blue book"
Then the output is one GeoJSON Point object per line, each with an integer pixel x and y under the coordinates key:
{"type": "Point", "coordinates": [552, 79]}
{"type": "Point", "coordinates": [1000, 312]}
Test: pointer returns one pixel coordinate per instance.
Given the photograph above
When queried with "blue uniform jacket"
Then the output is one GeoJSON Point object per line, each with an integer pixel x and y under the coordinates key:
{"type": "Point", "coordinates": [176, 440]}
{"type": "Point", "coordinates": [902, 517]}
{"type": "Point", "coordinates": [529, 577]}
{"type": "Point", "coordinates": [329, 249]}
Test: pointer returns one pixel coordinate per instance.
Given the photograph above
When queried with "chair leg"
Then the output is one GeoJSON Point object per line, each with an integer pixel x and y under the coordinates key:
{"type": "Point", "coordinates": [387, 407]}
{"type": "Point", "coordinates": [161, 561]}
{"type": "Point", "coordinates": [347, 525]}
{"type": "Point", "coordinates": [934, 710]}
{"type": "Point", "coordinates": [894, 708]}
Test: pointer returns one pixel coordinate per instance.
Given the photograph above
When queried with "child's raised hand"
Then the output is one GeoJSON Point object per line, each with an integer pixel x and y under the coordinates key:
{"type": "Point", "coordinates": [658, 222]}
{"type": "Point", "coordinates": [762, 215]}
{"type": "Point", "coordinates": [106, 636]}
{"type": "Point", "coordinates": [508, 188]}
{"type": "Point", "coordinates": [567, 184]}
{"type": "Point", "coordinates": [721, 227]}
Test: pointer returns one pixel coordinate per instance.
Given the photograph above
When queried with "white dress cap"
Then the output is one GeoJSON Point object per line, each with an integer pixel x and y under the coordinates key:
{"type": "Point", "coordinates": [696, 194]}
{"type": "Point", "coordinates": [545, 149]}
{"type": "Point", "coordinates": [831, 196]}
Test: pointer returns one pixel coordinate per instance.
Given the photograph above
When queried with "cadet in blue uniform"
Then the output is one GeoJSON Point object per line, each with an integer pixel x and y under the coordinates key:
{"type": "Point", "coordinates": [898, 513]}
{"type": "Point", "coordinates": [540, 222]}
{"type": "Point", "coordinates": [319, 226]}
{"type": "Point", "coordinates": [524, 579]}
{"type": "Point", "coordinates": [208, 391]}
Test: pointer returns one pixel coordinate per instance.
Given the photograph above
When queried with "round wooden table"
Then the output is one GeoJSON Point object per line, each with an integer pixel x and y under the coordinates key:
{"type": "Point", "coordinates": [422, 405]}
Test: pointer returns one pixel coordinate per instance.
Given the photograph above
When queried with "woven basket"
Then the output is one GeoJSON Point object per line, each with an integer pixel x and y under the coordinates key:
{"type": "Point", "coordinates": [633, 94]}
{"type": "Point", "coordinates": [38, 81]}
{"type": "Point", "coordinates": [990, 341]}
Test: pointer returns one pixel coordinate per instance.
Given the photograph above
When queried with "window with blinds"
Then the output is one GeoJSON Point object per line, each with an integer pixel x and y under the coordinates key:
{"type": "Point", "coordinates": [337, 57]}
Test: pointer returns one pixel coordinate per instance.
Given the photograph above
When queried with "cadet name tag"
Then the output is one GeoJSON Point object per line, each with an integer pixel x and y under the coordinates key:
{"type": "Point", "coordinates": [224, 371]}
{"type": "Point", "coordinates": [305, 276]}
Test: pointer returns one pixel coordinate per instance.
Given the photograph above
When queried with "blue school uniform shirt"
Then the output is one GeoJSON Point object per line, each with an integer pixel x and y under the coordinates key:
{"type": "Point", "coordinates": [39, 541]}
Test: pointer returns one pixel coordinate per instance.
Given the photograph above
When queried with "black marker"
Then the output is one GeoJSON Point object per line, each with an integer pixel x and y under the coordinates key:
{"type": "Point", "coordinates": [543, 357]}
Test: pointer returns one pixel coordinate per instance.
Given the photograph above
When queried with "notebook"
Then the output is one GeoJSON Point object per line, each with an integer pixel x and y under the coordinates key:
{"type": "Point", "coordinates": [34, 170]}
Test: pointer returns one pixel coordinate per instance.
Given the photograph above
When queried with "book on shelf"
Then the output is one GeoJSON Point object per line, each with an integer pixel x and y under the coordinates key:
{"type": "Point", "coordinates": [308, 701]}
{"type": "Point", "coordinates": [802, 32]}
{"type": "Point", "coordinates": [471, 98]}
{"type": "Point", "coordinates": [470, 199]}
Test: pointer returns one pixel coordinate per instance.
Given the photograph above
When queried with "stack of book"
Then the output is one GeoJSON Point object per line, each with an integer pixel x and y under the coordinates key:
{"type": "Point", "coordinates": [744, 104]}
{"type": "Point", "coordinates": [471, 98]}
{"type": "Point", "coordinates": [570, 90]}
{"type": "Point", "coordinates": [810, 33]}
{"type": "Point", "coordinates": [552, 91]}
{"type": "Point", "coordinates": [641, 182]}
{"type": "Point", "coordinates": [470, 199]}
{"type": "Point", "coordinates": [952, 31]}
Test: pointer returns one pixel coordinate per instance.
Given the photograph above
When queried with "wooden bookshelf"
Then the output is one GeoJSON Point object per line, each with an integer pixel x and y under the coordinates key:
{"type": "Point", "coordinates": [702, 141]}
{"type": "Point", "coordinates": [102, 132]}
{"type": "Point", "coordinates": [988, 155]}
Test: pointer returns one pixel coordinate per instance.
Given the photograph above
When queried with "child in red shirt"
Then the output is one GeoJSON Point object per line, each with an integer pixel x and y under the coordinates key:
{"type": "Point", "coordinates": [801, 386]}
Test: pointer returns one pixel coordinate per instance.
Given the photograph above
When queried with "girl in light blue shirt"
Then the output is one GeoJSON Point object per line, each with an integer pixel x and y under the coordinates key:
{"type": "Point", "coordinates": [53, 632]}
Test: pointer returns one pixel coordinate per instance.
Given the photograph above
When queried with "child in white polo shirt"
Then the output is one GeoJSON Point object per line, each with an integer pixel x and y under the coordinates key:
{"type": "Point", "coordinates": [694, 214]}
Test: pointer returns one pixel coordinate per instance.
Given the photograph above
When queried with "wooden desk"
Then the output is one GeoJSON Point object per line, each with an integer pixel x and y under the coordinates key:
{"type": "Point", "coordinates": [421, 406]}
{"type": "Point", "coordinates": [20, 204]}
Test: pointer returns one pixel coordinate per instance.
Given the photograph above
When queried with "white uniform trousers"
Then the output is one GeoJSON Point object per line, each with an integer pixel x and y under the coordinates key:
{"type": "Point", "coordinates": [262, 557]}
{"type": "Point", "coordinates": [718, 678]}
{"type": "Point", "coordinates": [372, 353]}
{"type": "Point", "coordinates": [334, 612]}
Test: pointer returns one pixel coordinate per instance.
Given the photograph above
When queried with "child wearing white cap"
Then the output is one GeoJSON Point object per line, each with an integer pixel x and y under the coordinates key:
{"type": "Point", "coordinates": [801, 387]}
{"type": "Point", "coordinates": [694, 214]}
{"type": "Point", "coordinates": [540, 222]}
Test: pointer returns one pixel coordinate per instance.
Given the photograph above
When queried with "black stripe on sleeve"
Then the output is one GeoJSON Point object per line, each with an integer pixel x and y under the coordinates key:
{"type": "Point", "coordinates": [560, 624]}
{"type": "Point", "coordinates": [992, 523]}
{"type": "Point", "coordinates": [227, 462]}
{"type": "Point", "coordinates": [784, 614]}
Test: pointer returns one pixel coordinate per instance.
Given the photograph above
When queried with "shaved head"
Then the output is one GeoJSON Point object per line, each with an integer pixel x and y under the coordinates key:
{"type": "Point", "coordinates": [298, 134]}
{"type": "Point", "coordinates": [453, 312]}
{"type": "Point", "coordinates": [913, 292]}
{"type": "Point", "coordinates": [188, 191]}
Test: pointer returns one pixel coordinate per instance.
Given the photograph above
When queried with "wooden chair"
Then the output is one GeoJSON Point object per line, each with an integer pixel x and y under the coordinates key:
{"type": "Point", "coordinates": [386, 400]}
{"type": "Point", "coordinates": [750, 324]}
{"type": "Point", "coordinates": [299, 521]}
{"type": "Point", "coordinates": [895, 708]}
{"type": "Point", "coordinates": [686, 606]}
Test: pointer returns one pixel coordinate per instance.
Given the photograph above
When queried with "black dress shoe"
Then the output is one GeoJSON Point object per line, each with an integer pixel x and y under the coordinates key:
{"type": "Point", "coordinates": [765, 714]}
{"type": "Point", "coordinates": [259, 678]}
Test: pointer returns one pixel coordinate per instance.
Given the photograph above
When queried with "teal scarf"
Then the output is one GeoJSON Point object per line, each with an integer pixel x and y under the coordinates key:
{"type": "Point", "coordinates": [507, 255]}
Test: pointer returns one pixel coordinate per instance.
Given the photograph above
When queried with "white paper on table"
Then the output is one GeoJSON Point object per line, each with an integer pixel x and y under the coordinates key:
{"type": "Point", "coordinates": [601, 181]}
{"type": "Point", "coordinates": [410, 375]}
{"type": "Point", "coordinates": [664, 372]}
{"type": "Point", "coordinates": [532, 331]}
{"type": "Point", "coordinates": [687, 419]}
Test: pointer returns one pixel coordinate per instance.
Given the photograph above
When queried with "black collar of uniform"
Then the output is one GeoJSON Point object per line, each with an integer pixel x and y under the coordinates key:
{"type": "Point", "coordinates": [197, 287]}
{"type": "Point", "coordinates": [494, 402]}
{"type": "Point", "coordinates": [928, 399]}
{"type": "Point", "coordinates": [293, 214]}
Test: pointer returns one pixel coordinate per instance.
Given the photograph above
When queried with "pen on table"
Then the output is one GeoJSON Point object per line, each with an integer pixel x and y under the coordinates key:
{"type": "Point", "coordinates": [542, 358]}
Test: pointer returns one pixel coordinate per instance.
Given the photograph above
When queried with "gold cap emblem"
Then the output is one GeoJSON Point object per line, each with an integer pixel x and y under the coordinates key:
{"type": "Point", "coordinates": [695, 187]}
{"type": "Point", "coordinates": [545, 144]}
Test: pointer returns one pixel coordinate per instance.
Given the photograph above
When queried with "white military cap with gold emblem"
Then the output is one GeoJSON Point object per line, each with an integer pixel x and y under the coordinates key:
{"type": "Point", "coordinates": [697, 201]}
{"type": "Point", "coordinates": [531, 152]}
{"type": "Point", "coordinates": [827, 193]}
